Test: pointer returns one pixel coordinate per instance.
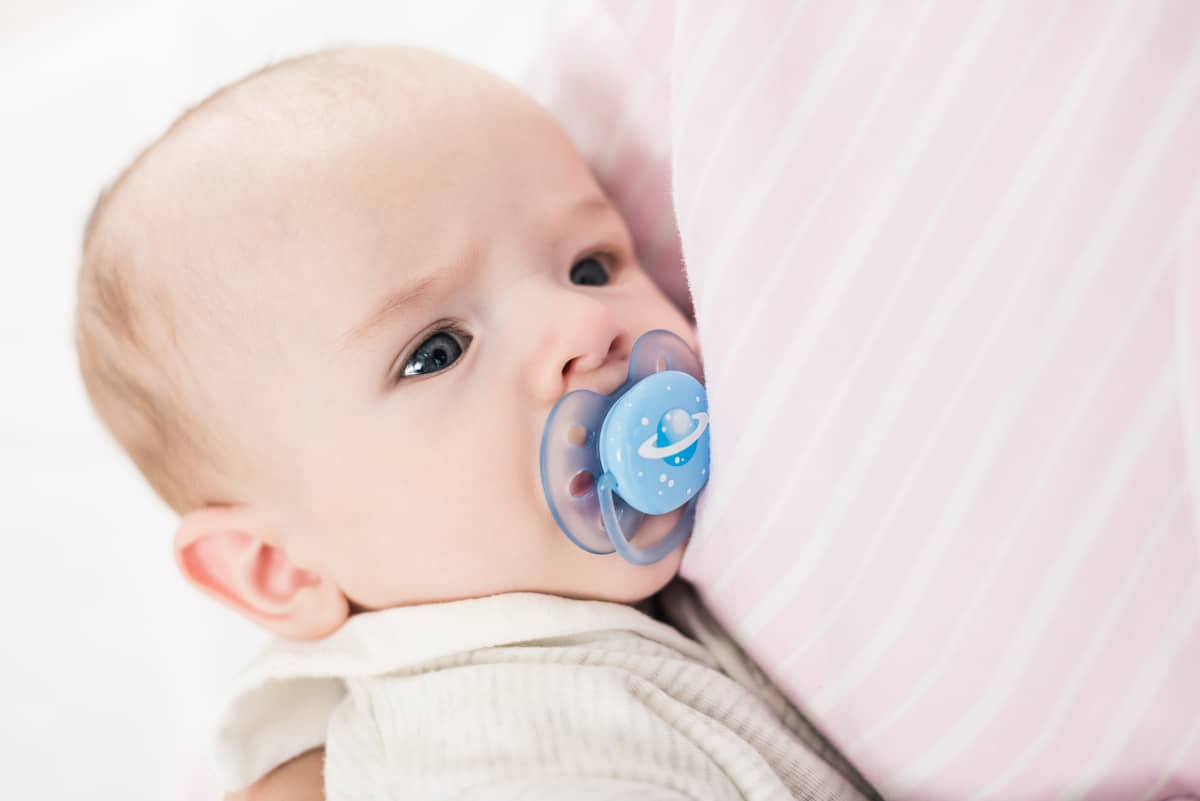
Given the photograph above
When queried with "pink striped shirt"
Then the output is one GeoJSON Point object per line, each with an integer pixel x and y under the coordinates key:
{"type": "Point", "coordinates": [944, 266]}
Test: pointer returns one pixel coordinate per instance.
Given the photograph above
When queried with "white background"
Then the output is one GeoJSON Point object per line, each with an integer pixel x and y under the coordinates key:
{"type": "Point", "coordinates": [109, 663]}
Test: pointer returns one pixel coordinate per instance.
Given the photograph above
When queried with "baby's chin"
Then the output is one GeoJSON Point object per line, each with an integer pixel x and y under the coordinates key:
{"type": "Point", "coordinates": [611, 578]}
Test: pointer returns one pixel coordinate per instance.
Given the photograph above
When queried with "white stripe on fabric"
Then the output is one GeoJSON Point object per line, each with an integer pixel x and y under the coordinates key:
{"type": "Point", "coordinates": [791, 482]}
{"type": "Point", "coordinates": [916, 358]}
{"type": "Point", "coordinates": [844, 270]}
{"type": "Point", "coordinates": [770, 169]}
{"type": "Point", "coordinates": [1187, 339]}
{"type": "Point", "coordinates": [1081, 148]}
{"type": "Point", "coordinates": [1123, 723]}
{"type": "Point", "coordinates": [1049, 463]}
{"type": "Point", "coordinates": [815, 89]}
{"type": "Point", "coordinates": [807, 560]}
{"type": "Point", "coordinates": [1096, 646]}
{"type": "Point", "coordinates": [1153, 414]}
{"type": "Point", "coordinates": [702, 55]}
{"type": "Point", "coordinates": [1108, 229]}
{"type": "Point", "coordinates": [788, 142]}
{"type": "Point", "coordinates": [1046, 468]}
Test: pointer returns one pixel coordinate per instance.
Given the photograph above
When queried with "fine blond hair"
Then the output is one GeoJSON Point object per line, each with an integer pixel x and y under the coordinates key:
{"type": "Point", "coordinates": [137, 376]}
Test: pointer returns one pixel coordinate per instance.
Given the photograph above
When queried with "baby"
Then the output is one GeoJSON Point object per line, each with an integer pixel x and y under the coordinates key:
{"type": "Point", "coordinates": [327, 314]}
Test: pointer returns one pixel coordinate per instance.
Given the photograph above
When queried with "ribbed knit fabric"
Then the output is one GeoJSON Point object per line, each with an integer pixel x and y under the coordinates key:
{"type": "Point", "coordinates": [528, 696]}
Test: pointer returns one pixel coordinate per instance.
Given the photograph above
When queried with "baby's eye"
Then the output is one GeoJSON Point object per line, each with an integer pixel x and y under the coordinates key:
{"type": "Point", "coordinates": [589, 272]}
{"type": "Point", "coordinates": [438, 352]}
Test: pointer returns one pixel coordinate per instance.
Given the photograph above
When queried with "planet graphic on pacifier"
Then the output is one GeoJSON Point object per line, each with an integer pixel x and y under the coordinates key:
{"type": "Point", "coordinates": [677, 437]}
{"type": "Point", "coordinates": [610, 461]}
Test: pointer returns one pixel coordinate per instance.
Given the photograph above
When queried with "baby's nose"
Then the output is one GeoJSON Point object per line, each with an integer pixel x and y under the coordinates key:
{"type": "Point", "coordinates": [594, 355]}
{"type": "Point", "coordinates": [585, 347]}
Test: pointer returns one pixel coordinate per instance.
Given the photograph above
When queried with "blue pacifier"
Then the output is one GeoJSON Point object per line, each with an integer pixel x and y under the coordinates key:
{"type": "Point", "coordinates": [608, 461]}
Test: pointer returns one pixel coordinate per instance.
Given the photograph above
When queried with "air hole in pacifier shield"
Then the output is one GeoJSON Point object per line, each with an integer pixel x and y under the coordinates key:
{"type": "Point", "coordinates": [582, 484]}
{"type": "Point", "coordinates": [577, 435]}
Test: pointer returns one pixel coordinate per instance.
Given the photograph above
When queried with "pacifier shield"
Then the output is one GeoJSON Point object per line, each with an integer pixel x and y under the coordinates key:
{"type": "Point", "coordinates": [641, 449]}
{"type": "Point", "coordinates": [568, 457]}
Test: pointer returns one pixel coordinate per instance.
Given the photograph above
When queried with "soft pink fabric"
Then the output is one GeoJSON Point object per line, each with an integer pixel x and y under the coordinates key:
{"type": "Point", "coordinates": [614, 102]}
{"type": "Point", "coordinates": [946, 287]}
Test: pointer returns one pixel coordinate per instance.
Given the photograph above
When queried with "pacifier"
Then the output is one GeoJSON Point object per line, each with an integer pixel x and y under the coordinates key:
{"type": "Point", "coordinates": [609, 461]}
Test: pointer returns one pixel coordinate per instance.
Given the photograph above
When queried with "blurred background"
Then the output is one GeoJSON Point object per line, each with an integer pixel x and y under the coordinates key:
{"type": "Point", "coordinates": [111, 664]}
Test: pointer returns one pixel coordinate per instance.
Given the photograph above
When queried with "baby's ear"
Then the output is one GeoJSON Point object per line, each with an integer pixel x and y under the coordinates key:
{"type": "Point", "coordinates": [229, 553]}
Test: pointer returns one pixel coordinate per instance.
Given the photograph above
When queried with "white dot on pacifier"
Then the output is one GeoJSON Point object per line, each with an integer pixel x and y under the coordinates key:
{"type": "Point", "coordinates": [618, 456]}
{"type": "Point", "coordinates": [704, 471]}
{"type": "Point", "coordinates": [668, 387]}
{"type": "Point", "coordinates": [689, 490]}
{"type": "Point", "coordinates": [645, 421]}
{"type": "Point", "coordinates": [671, 483]}
{"type": "Point", "coordinates": [640, 474]}
{"type": "Point", "coordinates": [662, 478]}
{"type": "Point", "coordinates": [697, 399]}
{"type": "Point", "coordinates": [629, 404]}
{"type": "Point", "coordinates": [660, 492]}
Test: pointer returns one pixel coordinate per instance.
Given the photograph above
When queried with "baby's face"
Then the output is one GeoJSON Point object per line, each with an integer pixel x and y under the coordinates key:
{"type": "Point", "coordinates": [418, 280]}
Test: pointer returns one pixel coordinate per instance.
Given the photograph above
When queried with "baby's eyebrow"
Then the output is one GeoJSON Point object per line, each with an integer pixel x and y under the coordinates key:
{"type": "Point", "coordinates": [405, 298]}
{"type": "Point", "coordinates": [396, 302]}
{"type": "Point", "coordinates": [591, 204]}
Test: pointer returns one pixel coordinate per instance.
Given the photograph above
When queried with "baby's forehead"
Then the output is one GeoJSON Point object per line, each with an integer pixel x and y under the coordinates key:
{"type": "Point", "coordinates": [286, 140]}
{"type": "Point", "coordinates": [276, 191]}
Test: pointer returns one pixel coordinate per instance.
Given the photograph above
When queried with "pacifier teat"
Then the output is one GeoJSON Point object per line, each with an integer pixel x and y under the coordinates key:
{"type": "Point", "coordinates": [608, 461]}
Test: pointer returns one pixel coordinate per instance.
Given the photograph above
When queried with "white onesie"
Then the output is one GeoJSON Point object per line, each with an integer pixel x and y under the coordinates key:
{"type": "Point", "coordinates": [533, 697]}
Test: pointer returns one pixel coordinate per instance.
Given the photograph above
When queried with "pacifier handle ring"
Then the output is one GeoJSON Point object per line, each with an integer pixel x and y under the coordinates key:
{"type": "Point", "coordinates": [629, 552]}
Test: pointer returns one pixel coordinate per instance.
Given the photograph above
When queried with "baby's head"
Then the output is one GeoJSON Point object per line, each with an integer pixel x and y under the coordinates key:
{"type": "Point", "coordinates": [327, 314]}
